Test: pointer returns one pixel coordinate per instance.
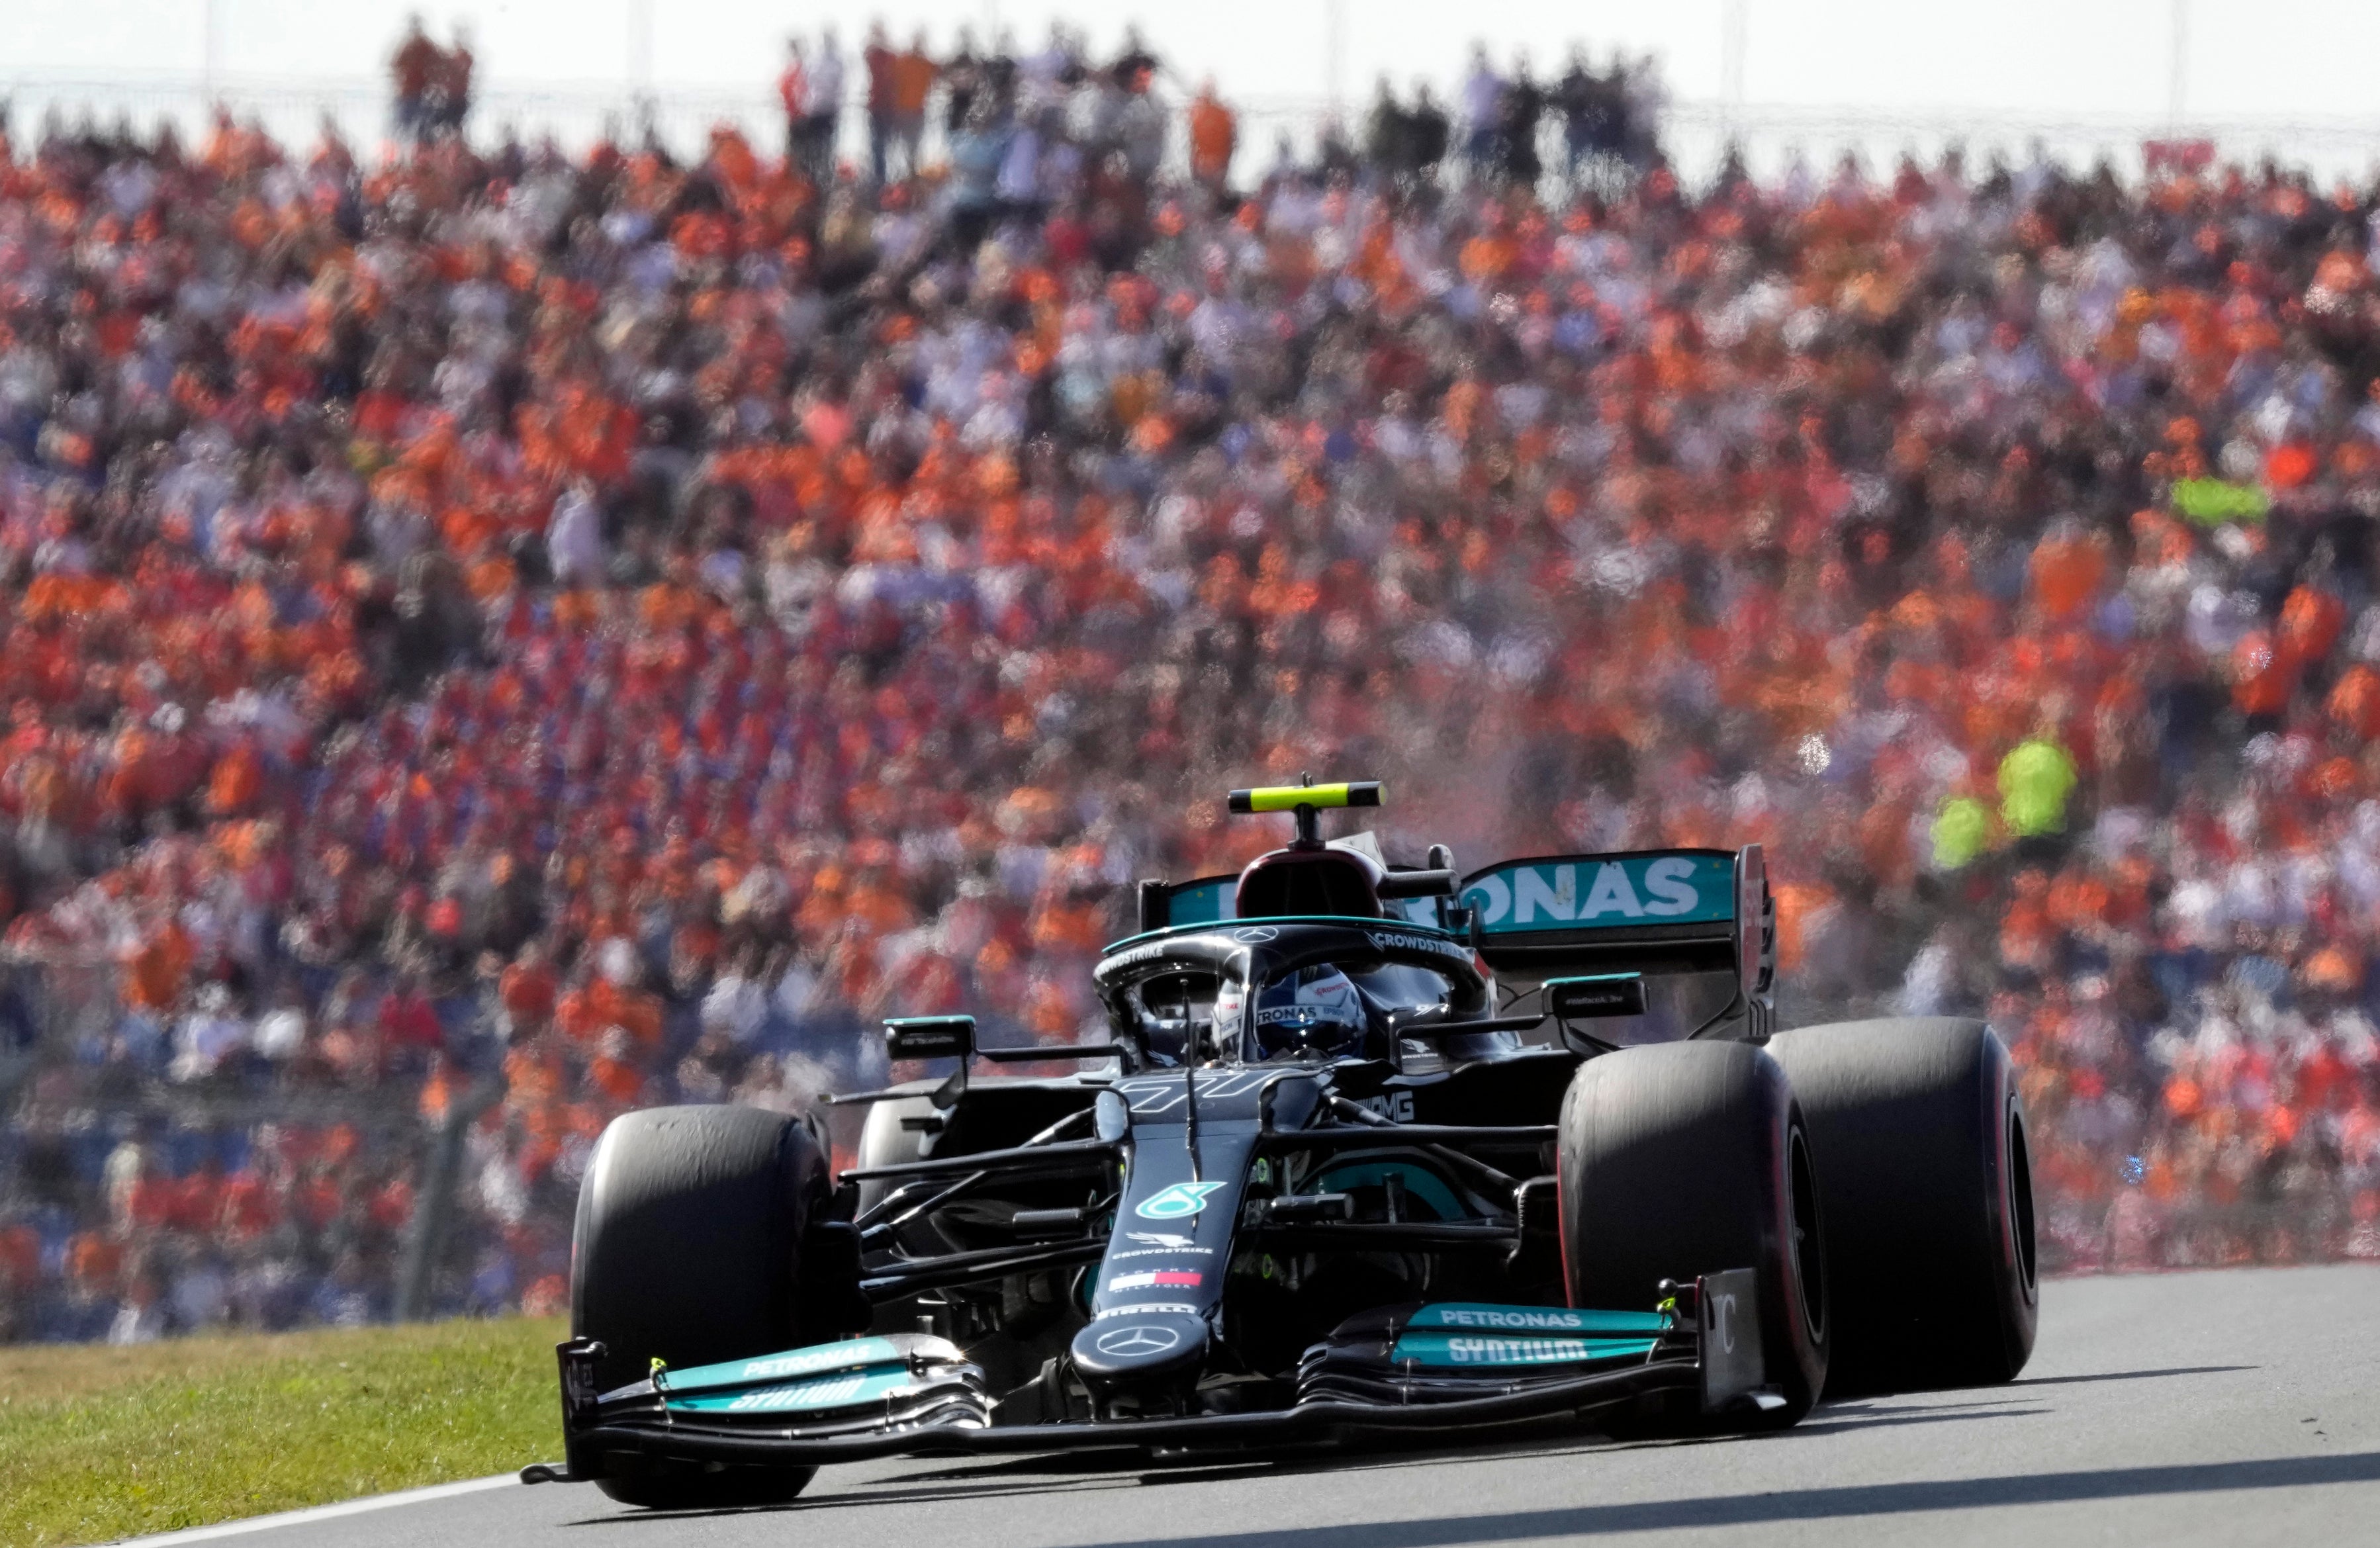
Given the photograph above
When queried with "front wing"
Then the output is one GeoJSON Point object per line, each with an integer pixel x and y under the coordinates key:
{"type": "Point", "coordinates": [915, 1395]}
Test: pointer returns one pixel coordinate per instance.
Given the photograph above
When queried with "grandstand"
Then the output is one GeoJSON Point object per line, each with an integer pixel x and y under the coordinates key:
{"type": "Point", "coordinates": [498, 633]}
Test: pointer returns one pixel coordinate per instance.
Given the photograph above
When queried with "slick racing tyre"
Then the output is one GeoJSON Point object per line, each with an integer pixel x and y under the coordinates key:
{"type": "Point", "coordinates": [689, 1221]}
{"type": "Point", "coordinates": [1686, 1159]}
{"type": "Point", "coordinates": [1928, 1192]}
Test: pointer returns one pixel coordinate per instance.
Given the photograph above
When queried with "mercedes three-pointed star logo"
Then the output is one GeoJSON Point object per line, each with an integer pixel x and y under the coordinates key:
{"type": "Point", "coordinates": [1140, 1338]}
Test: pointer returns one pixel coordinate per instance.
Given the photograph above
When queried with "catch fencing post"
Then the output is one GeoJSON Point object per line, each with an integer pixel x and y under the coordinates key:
{"type": "Point", "coordinates": [434, 1204]}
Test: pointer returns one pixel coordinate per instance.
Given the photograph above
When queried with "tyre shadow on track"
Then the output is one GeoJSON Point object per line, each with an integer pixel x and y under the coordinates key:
{"type": "Point", "coordinates": [1127, 1467]}
{"type": "Point", "coordinates": [2132, 1375]}
{"type": "Point", "coordinates": [1086, 1471]}
{"type": "Point", "coordinates": [1833, 1422]}
{"type": "Point", "coordinates": [1806, 1505]}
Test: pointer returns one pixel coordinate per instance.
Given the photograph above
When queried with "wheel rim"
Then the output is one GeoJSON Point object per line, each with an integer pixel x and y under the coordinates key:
{"type": "Point", "coordinates": [1809, 1258]}
{"type": "Point", "coordinates": [2019, 1199]}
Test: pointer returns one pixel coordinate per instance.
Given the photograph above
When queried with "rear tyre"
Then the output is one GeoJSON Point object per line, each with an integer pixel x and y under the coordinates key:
{"type": "Point", "coordinates": [1928, 1190]}
{"type": "Point", "coordinates": [688, 1232]}
{"type": "Point", "coordinates": [1686, 1159]}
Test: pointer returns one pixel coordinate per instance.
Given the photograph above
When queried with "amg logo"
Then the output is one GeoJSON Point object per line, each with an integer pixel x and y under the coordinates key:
{"type": "Point", "coordinates": [1560, 1322]}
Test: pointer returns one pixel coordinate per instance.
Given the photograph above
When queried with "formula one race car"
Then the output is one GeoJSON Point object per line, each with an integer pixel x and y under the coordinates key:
{"type": "Point", "coordinates": [1373, 1149]}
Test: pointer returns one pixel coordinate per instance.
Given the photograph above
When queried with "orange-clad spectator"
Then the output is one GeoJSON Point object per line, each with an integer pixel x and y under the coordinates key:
{"type": "Point", "coordinates": [391, 1206]}
{"type": "Point", "coordinates": [1214, 136]}
{"type": "Point", "coordinates": [2354, 702]}
{"type": "Point", "coordinates": [408, 1025]}
{"type": "Point", "coordinates": [2310, 619]}
{"type": "Point", "coordinates": [614, 1069]}
{"type": "Point", "coordinates": [2262, 677]}
{"type": "Point", "coordinates": [251, 1207]}
{"type": "Point", "coordinates": [158, 967]}
{"type": "Point", "coordinates": [94, 1260]}
{"type": "Point", "coordinates": [2026, 929]}
{"type": "Point", "coordinates": [528, 989]}
{"type": "Point", "coordinates": [2066, 569]}
{"type": "Point", "coordinates": [21, 1259]}
{"type": "Point", "coordinates": [914, 73]}
{"type": "Point", "coordinates": [238, 779]}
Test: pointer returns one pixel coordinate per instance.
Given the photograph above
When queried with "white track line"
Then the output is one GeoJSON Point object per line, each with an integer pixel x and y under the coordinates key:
{"type": "Point", "coordinates": [319, 1512]}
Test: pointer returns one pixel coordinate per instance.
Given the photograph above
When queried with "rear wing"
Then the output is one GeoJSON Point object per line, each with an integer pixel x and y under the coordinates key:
{"type": "Point", "coordinates": [1646, 912]}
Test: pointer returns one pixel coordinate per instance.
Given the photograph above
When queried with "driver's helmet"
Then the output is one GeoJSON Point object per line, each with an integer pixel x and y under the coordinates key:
{"type": "Point", "coordinates": [1312, 1012]}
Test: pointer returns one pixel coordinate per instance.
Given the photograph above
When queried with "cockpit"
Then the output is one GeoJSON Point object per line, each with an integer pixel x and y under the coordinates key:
{"type": "Point", "coordinates": [1318, 1011]}
{"type": "Point", "coordinates": [1594, 952]}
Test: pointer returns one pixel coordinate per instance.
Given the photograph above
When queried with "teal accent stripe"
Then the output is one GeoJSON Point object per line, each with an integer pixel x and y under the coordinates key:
{"type": "Point", "coordinates": [1419, 1184]}
{"type": "Point", "coordinates": [851, 1354]}
{"type": "Point", "coordinates": [1407, 926]}
{"type": "Point", "coordinates": [838, 1391]}
{"type": "Point", "coordinates": [1527, 1322]}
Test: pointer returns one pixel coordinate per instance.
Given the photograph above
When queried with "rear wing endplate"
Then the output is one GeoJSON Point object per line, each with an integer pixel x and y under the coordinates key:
{"type": "Point", "coordinates": [1207, 900]}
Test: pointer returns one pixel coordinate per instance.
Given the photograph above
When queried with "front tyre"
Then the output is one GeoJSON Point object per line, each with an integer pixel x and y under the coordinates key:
{"type": "Point", "coordinates": [1927, 1189]}
{"type": "Point", "coordinates": [686, 1251]}
{"type": "Point", "coordinates": [1680, 1160]}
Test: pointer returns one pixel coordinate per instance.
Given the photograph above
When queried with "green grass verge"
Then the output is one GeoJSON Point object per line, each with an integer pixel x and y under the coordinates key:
{"type": "Point", "coordinates": [99, 1443]}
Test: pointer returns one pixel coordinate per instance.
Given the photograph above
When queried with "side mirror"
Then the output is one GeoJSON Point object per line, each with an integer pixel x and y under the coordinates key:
{"type": "Point", "coordinates": [929, 1037]}
{"type": "Point", "coordinates": [1156, 908]}
{"type": "Point", "coordinates": [1287, 1103]}
{"type": "Point", "coordinates": [1111, 1120]}
{"type": "Point", "coordinates": [1618, 994]}
{"type": "Point", "coordinates": [1417, 884]}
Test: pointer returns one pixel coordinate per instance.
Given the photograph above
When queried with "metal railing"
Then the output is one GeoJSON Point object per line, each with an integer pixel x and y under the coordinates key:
{"type": "Point", "coordinates": [1695, 133]}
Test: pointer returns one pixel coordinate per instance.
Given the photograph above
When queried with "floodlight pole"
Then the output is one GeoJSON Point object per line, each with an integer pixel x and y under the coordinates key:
{"type": "Point", "coordinates": [640, 53]}
{"type": "Point", "coordinates": [1733, 23]}
{"type": "Point", "coordinates": [2179, 67]}
{"type": "Point", "coordinates": [1334, 52]}
{"type": "Point", "coordinates": [209, 48]}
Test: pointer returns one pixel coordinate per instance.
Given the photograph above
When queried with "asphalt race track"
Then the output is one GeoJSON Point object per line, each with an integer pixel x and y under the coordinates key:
{"type": "Point", "coordinates": [2235, 1407]}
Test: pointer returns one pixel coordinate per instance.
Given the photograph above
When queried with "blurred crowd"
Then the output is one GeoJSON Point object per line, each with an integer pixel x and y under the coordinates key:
{"type": "Point", "coordinates": [494, 637]}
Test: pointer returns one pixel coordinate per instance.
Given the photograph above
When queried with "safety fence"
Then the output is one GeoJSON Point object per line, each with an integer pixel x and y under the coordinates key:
{"type": "Point", "coordinates": [1697, 135]}
{"type": "Point", "coordinates": [238, 1196]}
{"type": "Point", "coordinates": [382, 1204]}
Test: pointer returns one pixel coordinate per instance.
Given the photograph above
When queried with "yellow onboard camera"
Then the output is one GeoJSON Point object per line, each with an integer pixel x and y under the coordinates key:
{"type": "Point", "coordinates": [1303, 801]}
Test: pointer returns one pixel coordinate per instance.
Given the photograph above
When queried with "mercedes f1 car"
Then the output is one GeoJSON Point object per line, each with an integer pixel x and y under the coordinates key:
{"type": "Point", "coordinates": [1368, 1149]}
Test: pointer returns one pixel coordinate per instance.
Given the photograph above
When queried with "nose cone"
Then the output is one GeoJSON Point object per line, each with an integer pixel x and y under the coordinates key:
{"type": "Point", "coordinates": [1134, 1348]}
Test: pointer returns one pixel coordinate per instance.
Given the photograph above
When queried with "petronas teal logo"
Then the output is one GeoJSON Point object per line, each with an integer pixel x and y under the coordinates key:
{"type": "Point", "coordinates": [1172, 1204]}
